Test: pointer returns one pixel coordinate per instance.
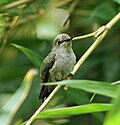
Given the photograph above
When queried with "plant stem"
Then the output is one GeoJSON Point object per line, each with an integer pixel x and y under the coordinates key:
{"type": "Point", "coordinates": [14, 4]}
{"type": "Point", "coordinates": [84, 36]}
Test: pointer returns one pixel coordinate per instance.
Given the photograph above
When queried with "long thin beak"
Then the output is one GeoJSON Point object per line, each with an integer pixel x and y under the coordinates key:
{"type": "Point", "coordinates": [71, 38]}
{"type": "Point", "coordinates": [68, 40]}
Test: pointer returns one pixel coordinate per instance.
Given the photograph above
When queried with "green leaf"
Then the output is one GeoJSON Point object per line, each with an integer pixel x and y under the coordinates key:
{"type": "Point", "coordinates": [116, 82]}
{"type": "Point", "coordinates": [34, 57]}
{"type": "Point", "coordinates": [113, 117]}
{"type": "Point", "coordinates": [8, 111]}
{"type": "Point", "coordinates": [75, 110]}
{"type": "Point", "coordinates": [77, 96]}
{"type": "Point", "coordinates": [117, 1]}
{"type": "Point", "coordinates": [97, 87]}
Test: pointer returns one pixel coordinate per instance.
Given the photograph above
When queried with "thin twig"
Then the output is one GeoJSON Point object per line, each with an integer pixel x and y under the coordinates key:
{"type": "Point", "coordinates": [37, 15]}
{"type": "Point", "coordinates": [14, 4]}
{"type": "Point", "coordinates": [113, 21]}
{"type": "Point", "coordinates": [8, 33]}
{"type": "Point", "coordinates": [41, 12]}
{"type": "Point", "coordinates": [71, 9]}
{"type": "Point", "coordinates": [77, 66]}
{"type": "Point", "coordinates": [95, 34]}
{"type": "Point", "coordinates": [84, 36]}
{"type": "Point", "coordinates": [32, 17]}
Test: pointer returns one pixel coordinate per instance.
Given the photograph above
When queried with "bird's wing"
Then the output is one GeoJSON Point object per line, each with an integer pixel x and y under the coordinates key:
{"type": "Point", "coordinates": [47, 64]}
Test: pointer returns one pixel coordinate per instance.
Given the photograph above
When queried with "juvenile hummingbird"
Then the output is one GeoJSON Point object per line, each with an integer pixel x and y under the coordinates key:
{"type": "Point", "coordinates": [58, 64]}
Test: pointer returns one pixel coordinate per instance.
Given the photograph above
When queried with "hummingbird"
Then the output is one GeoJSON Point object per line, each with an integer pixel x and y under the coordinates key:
{"type": "Point", "coordinates": [58, 64]}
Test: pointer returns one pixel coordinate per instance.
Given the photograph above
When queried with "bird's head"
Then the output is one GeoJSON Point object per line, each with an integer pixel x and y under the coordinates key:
{"type": "Point", "coordinates": [62, 40]}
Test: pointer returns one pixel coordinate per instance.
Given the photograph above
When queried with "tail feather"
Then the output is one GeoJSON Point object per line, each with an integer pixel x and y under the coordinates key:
{"type": "Point", "coordinates": [45, 92]}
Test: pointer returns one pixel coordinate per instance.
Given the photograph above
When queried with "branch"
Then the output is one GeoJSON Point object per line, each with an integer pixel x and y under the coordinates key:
{"type": "Point", "coordinates": [14, 4]}
{"type": "Point", "coordinates": [71, 9]}
{"type": "Point", "coordinates": [101, 34]}
{"type": "Point", "coordinates": [84, 36]}
{"type": "Point", "coordinates": [8, 33]}
{"type": "Point", "coordinates": [37, 15]}
{"type": "Point", "coordinates": [32, 17]}
{"type": "Point", "coordinates": [95, 34]}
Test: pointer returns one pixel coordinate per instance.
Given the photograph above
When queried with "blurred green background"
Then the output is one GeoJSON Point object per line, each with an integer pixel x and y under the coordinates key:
{"type": "Point", "coordinates": [34, 25]}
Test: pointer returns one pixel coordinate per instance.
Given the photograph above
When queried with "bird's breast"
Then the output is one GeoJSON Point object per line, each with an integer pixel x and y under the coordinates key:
{"type": "Point", "coordinates": [65, 53]}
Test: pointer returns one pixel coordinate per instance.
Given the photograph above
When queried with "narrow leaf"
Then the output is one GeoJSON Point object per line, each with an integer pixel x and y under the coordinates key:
{"type": "Point", "coordinates": [34, 57]}
{"type": "Point", "coordinates": [75, 110]}
{"type": "Point", "coordinates": [97, 87]}
{"type": "Point", "coordinates": [113, 117]}
{"type": "Point", "coordinates": [8, 111]}
{"type": "Point", "coordinates": [77, 96]}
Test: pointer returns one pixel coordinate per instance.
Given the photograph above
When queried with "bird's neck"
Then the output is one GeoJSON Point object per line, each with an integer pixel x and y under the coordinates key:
{"type": "Point", "coordinates": [68, 50]}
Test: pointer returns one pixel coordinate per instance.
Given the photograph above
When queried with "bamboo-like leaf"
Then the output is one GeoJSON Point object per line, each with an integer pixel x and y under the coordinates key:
{"type": "Point", "coordinates": [34, 57]}
{"type": "Point", "coordinates": [97, 87]}
{"type": "Point", "coordinates": [77, 96]}
{"type": "Point", "coordinates": [113, 117]}
{"type": "Point", "coordinates": [8, 111]}
{"type": "Point", "coordinates": [75, 110]}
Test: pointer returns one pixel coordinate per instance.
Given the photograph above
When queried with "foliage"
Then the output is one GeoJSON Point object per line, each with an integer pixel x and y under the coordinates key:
{"type": "Point", "coordinates": [31, 27]}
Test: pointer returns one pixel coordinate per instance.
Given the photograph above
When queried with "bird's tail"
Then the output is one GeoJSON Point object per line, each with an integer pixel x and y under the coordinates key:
{"type": "Point", "coordinates": [45, 92]}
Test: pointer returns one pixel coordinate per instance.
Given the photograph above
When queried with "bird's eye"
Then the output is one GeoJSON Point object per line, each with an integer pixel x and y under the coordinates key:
{"type": "Point", "coordinates": [59, 42]}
